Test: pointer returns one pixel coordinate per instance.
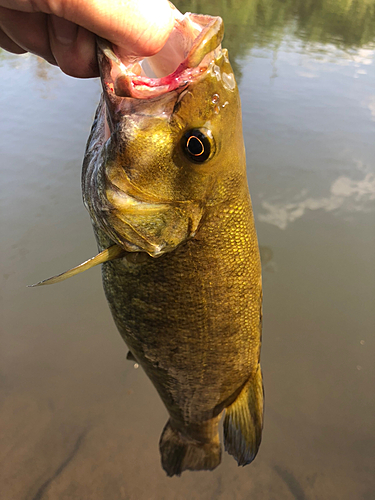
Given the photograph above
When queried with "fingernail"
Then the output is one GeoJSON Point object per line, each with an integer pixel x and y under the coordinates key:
{"type": "Point", "coordinates": [65, 31]}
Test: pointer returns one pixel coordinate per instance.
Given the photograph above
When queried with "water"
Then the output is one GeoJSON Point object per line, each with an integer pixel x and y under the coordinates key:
{"type": "Point", "coordinates": [77, 419]}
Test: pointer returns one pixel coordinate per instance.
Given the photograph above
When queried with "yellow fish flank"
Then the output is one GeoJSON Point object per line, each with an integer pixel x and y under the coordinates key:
{"type": "Point", "coordinates": [164, 181]}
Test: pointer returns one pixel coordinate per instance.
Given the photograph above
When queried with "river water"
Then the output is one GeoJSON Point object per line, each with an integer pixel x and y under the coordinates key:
{"type": "Point", "coordinates": [80, 421]}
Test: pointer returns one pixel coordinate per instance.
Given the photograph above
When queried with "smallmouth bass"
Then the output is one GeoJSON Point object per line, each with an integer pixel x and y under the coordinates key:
{"type": "Point", "coordinates": [164, 181]}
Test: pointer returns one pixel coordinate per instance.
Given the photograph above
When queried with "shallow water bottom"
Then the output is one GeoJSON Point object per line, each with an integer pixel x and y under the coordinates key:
{"type": "Point", "coordinates": [77, 419]}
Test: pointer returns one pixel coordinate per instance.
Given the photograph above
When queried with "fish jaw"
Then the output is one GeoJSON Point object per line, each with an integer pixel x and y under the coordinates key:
{"type": "Point", "coordinates": [186, 54]}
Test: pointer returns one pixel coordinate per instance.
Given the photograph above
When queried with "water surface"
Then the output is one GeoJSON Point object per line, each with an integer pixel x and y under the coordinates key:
{"type": "Point", "coordinates": [77, 419]}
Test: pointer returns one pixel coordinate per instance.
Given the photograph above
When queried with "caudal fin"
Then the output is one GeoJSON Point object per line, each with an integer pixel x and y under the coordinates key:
{"type": "Point", "coordinates": [243, 421]}
{"type": "Point", "coordinates": [179, 453]}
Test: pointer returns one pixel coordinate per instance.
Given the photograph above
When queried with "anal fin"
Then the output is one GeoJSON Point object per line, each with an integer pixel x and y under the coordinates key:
{"type": "Point", "coordinates": [243, 421]}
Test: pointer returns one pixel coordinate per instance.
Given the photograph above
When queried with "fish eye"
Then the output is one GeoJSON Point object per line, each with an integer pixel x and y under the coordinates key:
{"type": "Point", "coordinates": [198, 144]}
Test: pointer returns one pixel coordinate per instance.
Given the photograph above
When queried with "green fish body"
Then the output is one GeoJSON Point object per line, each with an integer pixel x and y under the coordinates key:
{"type": "Point", "coordinates": [164, 178]}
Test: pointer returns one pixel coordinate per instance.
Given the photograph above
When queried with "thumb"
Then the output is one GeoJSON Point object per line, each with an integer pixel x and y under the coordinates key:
{"type": "Point", "coordinates": [137, 27]}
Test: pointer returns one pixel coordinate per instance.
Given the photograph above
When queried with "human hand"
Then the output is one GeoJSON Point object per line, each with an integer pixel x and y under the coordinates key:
{"type": "Point", "coordinates": [63, 31]}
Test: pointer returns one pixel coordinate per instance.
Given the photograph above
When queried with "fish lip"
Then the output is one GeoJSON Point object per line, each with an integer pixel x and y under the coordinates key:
{"type": "Point", "coordinates": [119, 80]}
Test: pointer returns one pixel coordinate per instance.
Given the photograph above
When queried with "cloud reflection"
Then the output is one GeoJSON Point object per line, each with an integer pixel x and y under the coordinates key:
{"type": "Point", "coordinates": [371, 106]}
{"type": "Point", "coordinates": [345, 194]}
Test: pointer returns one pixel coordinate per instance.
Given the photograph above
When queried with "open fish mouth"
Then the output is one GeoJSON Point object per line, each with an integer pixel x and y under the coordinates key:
{"type": "Point", "coordinates": [192, 45]}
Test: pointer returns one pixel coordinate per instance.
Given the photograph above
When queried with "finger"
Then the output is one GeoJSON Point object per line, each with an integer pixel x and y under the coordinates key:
{"type": "Point", "coordinates": [8, 44]}
{"type": "Point", "coordinates": [27, 30]}
{"type": "Point", "coordinates": [139, 27]}
{"type": "Point", "coordinates": [73, 47]}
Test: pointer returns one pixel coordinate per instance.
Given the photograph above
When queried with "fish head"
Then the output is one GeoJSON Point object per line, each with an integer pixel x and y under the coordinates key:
{"type": "Point", "coordinates": [167, 131]}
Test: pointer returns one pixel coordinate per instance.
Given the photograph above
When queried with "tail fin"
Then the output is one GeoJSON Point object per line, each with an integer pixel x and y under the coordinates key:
{"type": "Point", "coordinates": [179, 453]}
{"type": "Point", "coordinates": [243, 421]}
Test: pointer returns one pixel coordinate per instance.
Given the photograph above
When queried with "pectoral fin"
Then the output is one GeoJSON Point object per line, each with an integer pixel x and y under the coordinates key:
{"type": "Point", "coordinates": [111, 253]}
{"type": "Point", "coordinates": [243, 421]}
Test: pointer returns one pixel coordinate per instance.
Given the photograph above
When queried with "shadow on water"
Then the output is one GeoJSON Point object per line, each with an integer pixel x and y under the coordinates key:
{"type": "Point", "coordinates": [77, 419]}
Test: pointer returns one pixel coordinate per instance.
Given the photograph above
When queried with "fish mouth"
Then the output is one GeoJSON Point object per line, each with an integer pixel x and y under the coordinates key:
{"type": "Point", "coordinates": [192, 45]}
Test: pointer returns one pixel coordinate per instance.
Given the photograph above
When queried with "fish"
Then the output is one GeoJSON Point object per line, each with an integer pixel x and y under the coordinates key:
{"type": "Point", "coordinates": [164, 181]}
